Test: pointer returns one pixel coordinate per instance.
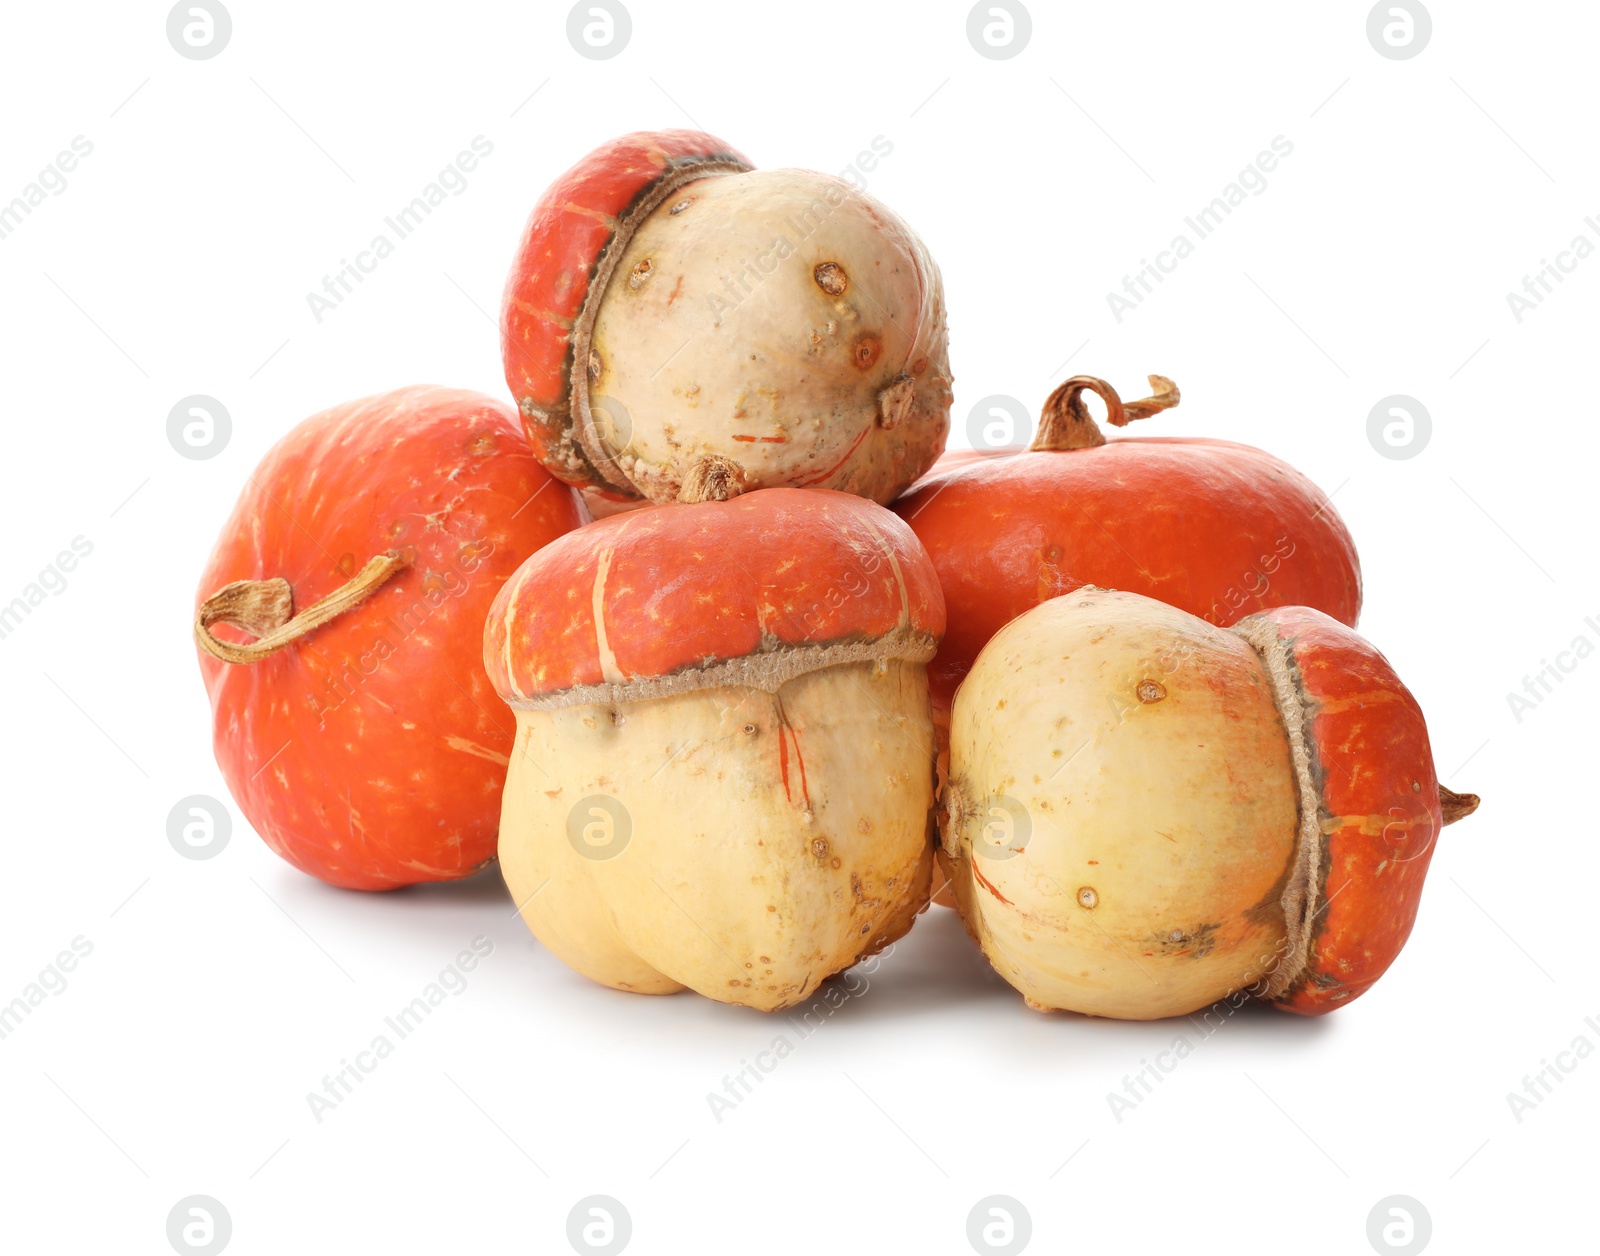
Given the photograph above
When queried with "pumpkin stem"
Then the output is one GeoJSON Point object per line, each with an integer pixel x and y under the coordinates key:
{"type": "Point", "coordinates": [1456, 806]}
{"type": "Point", "coordinates": [265, 608]}
{"type": "Point", "coordinates": [1065, 422]}
{"type": "Point", "coordinates": [952, 818]}
{"type": "Point", "coordinates": [712, 478]}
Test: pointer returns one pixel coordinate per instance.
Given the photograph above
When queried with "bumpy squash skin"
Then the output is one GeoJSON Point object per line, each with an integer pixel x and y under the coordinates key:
{"type": "Point", "coordinates": [668, 302]}
{"type": "Point", "coordinates": [732, 347]}
{"type": "Point", "coordinates": [572, 227]}
{"type": "Point", "coordinates": [372, 752]}
{"type": "Point", "coordinates": [1273, 779]}
{"type": "Point", "coordinates": [1145, 751]}
{"type": "Point", "coordinates": [1378, 803]}
{"type": "Point", "coordinates": [776, 838]}
{"type": "Point", "coordinates": [739, 687]}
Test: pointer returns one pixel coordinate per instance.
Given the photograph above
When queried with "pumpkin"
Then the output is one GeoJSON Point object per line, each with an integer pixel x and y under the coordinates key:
{"type": "Point", "coordinates": [339, 623]}
{"type": "Point", "coordinates": [1214, 528]}
{"type": "Point", "coordinates": [723, 771]}
{"type": "Point", "coordinates": [1147, 814]}
{"type": "Point", "coordinates": [668, 303]}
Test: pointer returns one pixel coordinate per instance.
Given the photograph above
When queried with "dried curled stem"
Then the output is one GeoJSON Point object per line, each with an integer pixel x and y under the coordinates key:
{"type": "Point", "coordinates": [265, 608]}
{"type": "Point", "coordinates": [952, 818]}
{"type": "Point", "coordinates": [712, 478]}
{"type": "Point", "coordinates": [1065, 422]}
{"type": "Point", "coordinates": [1456, 806]}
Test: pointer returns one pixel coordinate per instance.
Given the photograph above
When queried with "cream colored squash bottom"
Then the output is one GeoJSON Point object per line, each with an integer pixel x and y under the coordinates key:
{"type": "Point", "coordinates": [1122, 811]}
{"type": "Point", "coordinates": [742, 843]}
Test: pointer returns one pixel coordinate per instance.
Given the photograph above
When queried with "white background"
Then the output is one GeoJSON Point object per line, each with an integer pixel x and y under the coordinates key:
{"type": "Point", "coordinates": [218, 993]}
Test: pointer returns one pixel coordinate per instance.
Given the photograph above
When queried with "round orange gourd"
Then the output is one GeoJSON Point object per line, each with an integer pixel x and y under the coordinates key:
{"type": "Point", "coordinates": [340, 621]}
{"type": "Point", "coordinates": [1212, 527]}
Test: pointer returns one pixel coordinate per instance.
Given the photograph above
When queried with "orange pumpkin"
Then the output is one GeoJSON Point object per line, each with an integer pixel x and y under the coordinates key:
{"type": "Point", "coordinates": [340, 623]}
{"type": "Point", "coordinates": [1214, 528]}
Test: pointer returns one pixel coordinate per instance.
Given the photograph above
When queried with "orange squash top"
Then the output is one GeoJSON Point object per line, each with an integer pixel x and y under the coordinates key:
{"type": "Point", "coordinates": [778, 581]}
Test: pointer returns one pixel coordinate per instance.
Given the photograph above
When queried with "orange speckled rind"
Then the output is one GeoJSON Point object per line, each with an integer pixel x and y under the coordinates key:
{"type": "Point", "coordinates": [676, 591]}
{"type": "Point", "coordinates": [371, 752]}
{"type": "Point", "coordinates": [1378, 801]}
{"type": "Point", "coordinates": [585, 216]}
{"type": "Point", "coordinates": [1214, 528]}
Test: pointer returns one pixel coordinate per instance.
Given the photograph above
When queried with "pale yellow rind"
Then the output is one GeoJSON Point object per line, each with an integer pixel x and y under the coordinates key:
{"type": "Point", "coordinates": [1163, 820]}
{"type": "Point", "coordinates": [730, 883]}
{"type": "Point", "coordinates": [714, 337]}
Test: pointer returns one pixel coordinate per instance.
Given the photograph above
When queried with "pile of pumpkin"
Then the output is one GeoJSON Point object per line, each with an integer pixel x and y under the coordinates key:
{"type": "Point", "coordinates": [733, 666]}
